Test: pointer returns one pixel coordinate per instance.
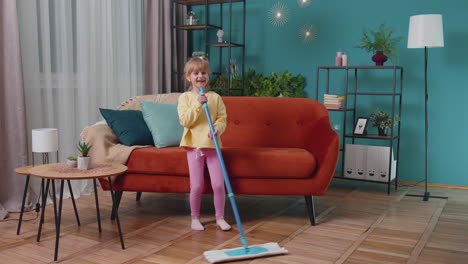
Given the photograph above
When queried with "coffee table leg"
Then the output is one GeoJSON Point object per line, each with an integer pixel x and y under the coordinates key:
{"type": "Point", "coordinates": [44, 201]}
{"type": "Point", "coordinates": [41, 195]}
{"type": "Point", "coordinates": [54, 200]}
{"type": "Point", "coordinates": [114, 205]}
{"type": "Point", "coordinates": [22, 205]}
{"type": "Point", "coordinates": [97, 205]}
{"type": "Point", "coordinates": [59, 218]}
{"type": "Point", "coordinates": [74, 204]}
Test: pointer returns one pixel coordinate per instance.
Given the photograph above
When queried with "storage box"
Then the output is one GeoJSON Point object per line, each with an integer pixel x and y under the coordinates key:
{"type": "Point", "coordinates": [355, 161]}
{"type": "Point", "coordinates": [368, 163]}
{"type": "Point", "coordinates": [378, 160]}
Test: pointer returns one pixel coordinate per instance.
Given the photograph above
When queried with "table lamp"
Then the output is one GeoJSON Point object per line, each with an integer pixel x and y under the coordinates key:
{"type": "Point", "coordinates": [426, 31]}
{"type": "Point", "coordinates": [44, 140]}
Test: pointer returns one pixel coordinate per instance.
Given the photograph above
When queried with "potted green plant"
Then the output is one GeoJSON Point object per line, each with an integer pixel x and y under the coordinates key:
{"type": "Point", "coordinates": [72, 161]}
{"type": "Point", "coordinates": [255, 84]}
{"type": "Point", "coordinates": [84, 161]}
{"type": "Point", "coordinates": [381, 42]}
{"type": "Point", "coordinates": [382, 120]}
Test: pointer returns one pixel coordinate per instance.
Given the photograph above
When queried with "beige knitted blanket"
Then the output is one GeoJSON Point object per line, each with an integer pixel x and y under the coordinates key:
{"type": "Point", "coordinates": [106, 147]}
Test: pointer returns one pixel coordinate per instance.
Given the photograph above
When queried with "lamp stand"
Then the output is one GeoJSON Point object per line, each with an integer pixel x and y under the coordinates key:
{"type": "Point", "coordinates": [45, 160]}
{"type": "Point", "coordinates": [426, 194]}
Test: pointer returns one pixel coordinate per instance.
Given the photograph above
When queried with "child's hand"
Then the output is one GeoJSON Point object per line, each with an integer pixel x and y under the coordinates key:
{"type": "Point", "coordinates": [202, 99]}
{"type": "Point", "coordinates": [210, 135]}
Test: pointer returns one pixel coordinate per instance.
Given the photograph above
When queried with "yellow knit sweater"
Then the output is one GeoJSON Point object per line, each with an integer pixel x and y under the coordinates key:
{"type": "Point", "coordinates": [192, 118]}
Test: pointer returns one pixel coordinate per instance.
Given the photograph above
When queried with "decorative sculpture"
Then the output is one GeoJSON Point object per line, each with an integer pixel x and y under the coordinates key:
{"type": "Point", "coordinates": [220, 34]}
{"type": "Point", "coordinates": [192, 18]}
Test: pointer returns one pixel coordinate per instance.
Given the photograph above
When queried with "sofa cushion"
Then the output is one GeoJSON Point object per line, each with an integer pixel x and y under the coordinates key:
{"type": "Point", "coordinates": [163, 161]}
{"type": "Point", "coordinates": [163, 122]}
{"type": "Point", "coordinates": [128, 126]}
{"type": "Point", "coordinates": [268, 163]}
{"type": "Point", "coordinates": [253, 162]}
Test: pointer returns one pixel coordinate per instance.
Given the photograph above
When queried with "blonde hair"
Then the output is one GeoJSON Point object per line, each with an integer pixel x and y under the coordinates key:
{"type": "Point", "coordinates": [196, 64]}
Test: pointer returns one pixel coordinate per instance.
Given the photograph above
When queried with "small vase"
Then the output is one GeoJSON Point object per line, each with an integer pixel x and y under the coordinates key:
{"type": "Point", "coordinates": [84, 163]}
{"type": "Point", "coordinates": [379, 58]}
{"type": "Point", "coordinates": [382, 131]}
{"type": "Point", "coordinates": [339, 59]}
{"type": "Point", "coordinates": [344, 60]}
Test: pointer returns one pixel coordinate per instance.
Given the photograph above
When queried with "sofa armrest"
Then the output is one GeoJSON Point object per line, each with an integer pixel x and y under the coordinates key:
{"type": "Point", "coordinates": [325, 146]}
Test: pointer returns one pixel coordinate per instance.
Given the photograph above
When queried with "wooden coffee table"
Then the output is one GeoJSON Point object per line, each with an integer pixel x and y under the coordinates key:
{"type": "Point", "coordinates": [62, 172]}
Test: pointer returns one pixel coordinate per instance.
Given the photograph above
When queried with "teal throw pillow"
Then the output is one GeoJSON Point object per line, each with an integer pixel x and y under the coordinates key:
{"type": "Point", "coordinates": [163, 122]}
{"type": "Point", "coordinates": [129, 126]}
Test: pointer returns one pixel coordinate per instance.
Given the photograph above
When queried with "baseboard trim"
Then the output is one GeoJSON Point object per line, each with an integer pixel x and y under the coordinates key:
{"type": "Point", "coordinates": [434, 185]}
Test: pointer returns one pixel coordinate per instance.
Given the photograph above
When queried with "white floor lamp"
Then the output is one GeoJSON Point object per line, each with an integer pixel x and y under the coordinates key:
{"type": "Point", "coordinates": [44, 141]}
{"type": "Point", "coordinates": [426, 31]}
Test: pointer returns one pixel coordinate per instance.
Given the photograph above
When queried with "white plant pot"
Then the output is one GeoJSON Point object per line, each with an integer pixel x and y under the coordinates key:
{"type": "Point", "coordinates": [72, 163]}
{"type": "Point", "coordinates": [84, 163]}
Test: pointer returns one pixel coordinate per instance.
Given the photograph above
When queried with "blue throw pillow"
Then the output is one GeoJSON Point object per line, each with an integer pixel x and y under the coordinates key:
{"type": "Point", "coordinates": [129, 126]}
{"type": "Point", "coordinates": [163, 122]}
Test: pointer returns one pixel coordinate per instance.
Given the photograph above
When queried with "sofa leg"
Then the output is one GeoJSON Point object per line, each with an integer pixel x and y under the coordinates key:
{"type": "Point", "coordinates": [138, 196]}
{"type": "Point", "coordinates": [310, 208]}
{"type": "Point", "coordinates": [118, 197]}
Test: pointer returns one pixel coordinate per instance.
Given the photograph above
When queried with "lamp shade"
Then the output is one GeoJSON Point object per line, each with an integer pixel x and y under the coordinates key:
{"type": "Point", "coordinates": [425, 31]}
{"type": "Point", "coordinates": [44, 140]}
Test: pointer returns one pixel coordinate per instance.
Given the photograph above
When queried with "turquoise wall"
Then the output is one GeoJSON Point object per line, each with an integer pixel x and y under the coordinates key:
{"type": "Point", "coordinates": [339, 24]}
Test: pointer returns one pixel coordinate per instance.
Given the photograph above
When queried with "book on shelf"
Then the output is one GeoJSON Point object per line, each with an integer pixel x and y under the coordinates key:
{"type": "Point", "coordinates": [334, 96]}
{"type": "Point", "coordinates": [332, 106]}
{"type": "Point", "coordinates": [333, 101]}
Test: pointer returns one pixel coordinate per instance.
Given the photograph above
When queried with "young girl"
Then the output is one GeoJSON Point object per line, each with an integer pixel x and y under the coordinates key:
{"type": "Point", "coordinates": [197, 139]}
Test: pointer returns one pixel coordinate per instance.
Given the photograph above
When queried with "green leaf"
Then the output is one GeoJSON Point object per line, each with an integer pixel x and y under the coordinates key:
{"type": "Point", "coordinates": [84, 148]}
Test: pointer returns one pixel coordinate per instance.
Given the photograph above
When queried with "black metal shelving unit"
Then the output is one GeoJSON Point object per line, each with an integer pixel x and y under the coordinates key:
{"type": "Point", "coordinates": [350, 106]}
{"type": "Point", "coordinates": [208, 27]}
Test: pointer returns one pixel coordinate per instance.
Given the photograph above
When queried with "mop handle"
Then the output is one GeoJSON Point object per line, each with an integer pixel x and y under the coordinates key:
{"type": "Point", "coordinates": [225, 174]}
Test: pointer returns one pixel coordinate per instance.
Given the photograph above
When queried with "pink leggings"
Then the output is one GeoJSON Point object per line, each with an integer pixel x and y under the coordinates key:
{"type": "Point", "coordinates": [196, 162]}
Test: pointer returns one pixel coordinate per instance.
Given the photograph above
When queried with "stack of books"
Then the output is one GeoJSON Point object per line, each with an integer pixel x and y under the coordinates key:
{"type": "Point", "coordinates": [333, 101]}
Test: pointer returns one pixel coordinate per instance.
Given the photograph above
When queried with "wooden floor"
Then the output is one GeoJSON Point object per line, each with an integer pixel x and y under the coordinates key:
{"type": "Point", "coordinates": [357, 223]}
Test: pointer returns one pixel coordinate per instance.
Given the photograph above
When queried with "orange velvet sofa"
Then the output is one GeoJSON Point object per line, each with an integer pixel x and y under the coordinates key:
{"type": "Point", "coordinates": [272, 146]}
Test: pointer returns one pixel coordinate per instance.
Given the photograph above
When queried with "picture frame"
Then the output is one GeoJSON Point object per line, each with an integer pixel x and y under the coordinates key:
{"type": "Point", "coordinates": [360, 127]}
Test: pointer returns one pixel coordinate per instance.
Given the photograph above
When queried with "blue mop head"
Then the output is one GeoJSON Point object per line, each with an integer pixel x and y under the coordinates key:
{"type": "Point", "coordinates": [255, 251]}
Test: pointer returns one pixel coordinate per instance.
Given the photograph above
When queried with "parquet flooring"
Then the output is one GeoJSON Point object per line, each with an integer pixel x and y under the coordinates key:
{"type": "Point", "coordinates": [357, 223]}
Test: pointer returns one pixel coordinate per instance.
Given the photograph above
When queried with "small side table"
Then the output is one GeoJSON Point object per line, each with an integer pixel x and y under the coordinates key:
{"type": "Point", "coordinates": [62, 172]}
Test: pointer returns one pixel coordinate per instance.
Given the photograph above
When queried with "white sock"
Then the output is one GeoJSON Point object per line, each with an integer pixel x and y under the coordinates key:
{"type": "Point", "coordinates": [196, 225]}
{"type": "Point", "coordinates": [223, 224]}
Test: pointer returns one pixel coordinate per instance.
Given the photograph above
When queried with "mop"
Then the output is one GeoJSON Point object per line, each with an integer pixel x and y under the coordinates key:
{"type": "Point", "coordinates": [246, 251]}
